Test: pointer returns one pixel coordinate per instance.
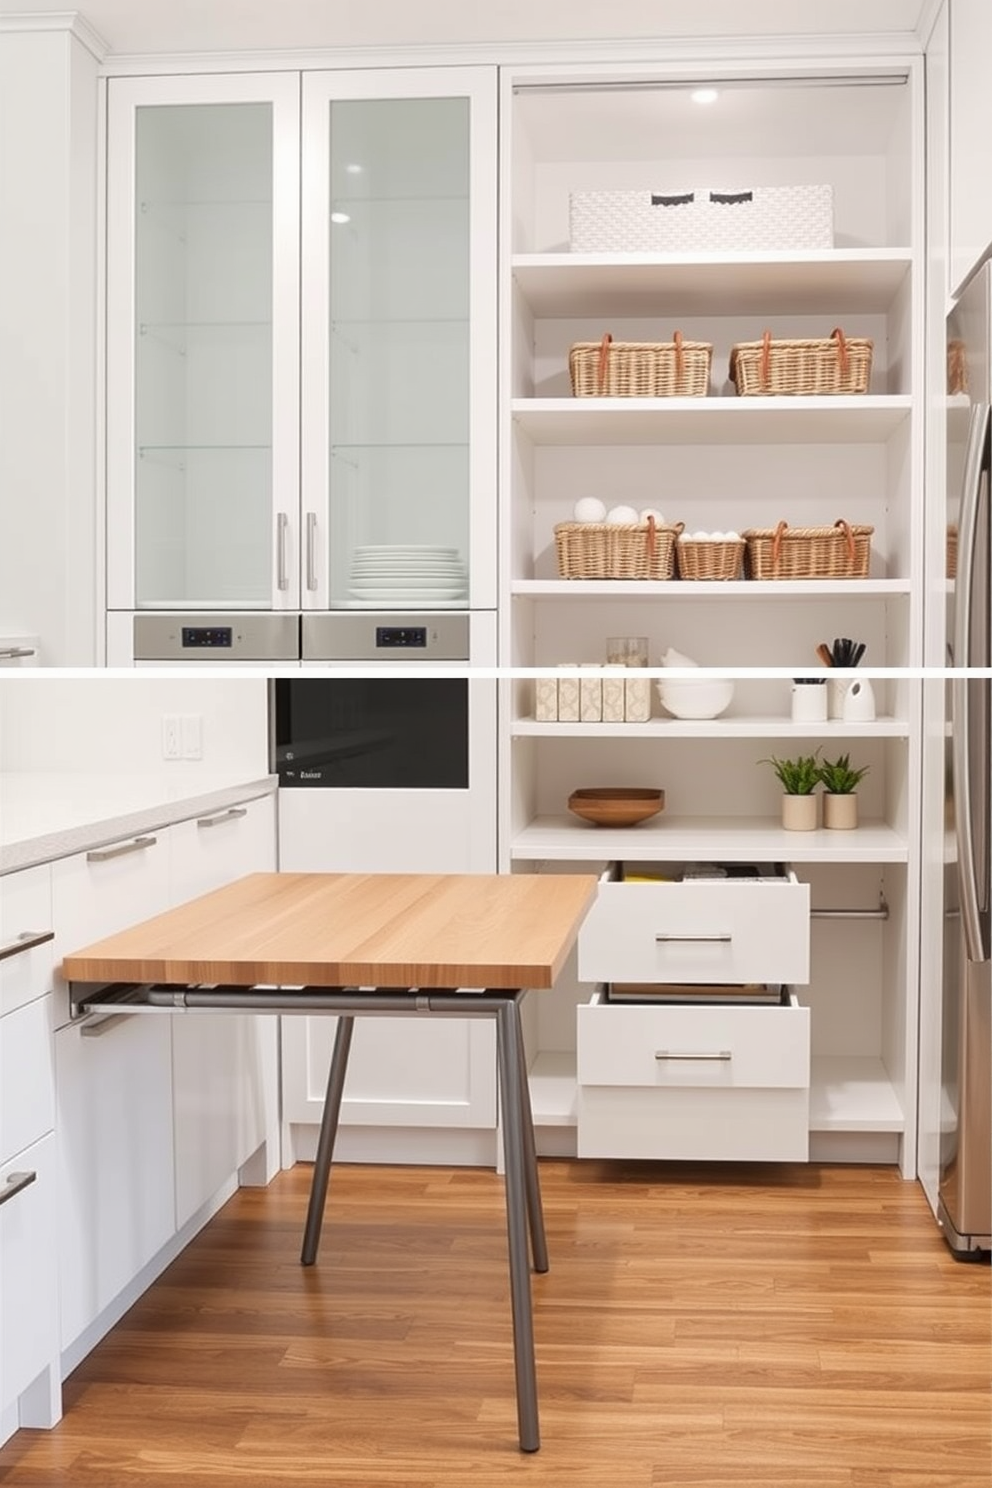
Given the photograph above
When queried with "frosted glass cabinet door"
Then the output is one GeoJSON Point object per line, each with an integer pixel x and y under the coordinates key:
{"type": "Point", "coordinates": [399, 345]}
{"type": "Point", "coordinates": [203, 272]}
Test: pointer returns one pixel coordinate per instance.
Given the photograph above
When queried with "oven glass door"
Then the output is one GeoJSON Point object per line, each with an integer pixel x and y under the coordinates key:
{"type": "Point", "coordinates": [371, 733]}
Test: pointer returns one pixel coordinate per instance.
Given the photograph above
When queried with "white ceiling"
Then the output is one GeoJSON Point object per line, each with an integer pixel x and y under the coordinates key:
{"type": "Point", "coordinates": [135, 27]}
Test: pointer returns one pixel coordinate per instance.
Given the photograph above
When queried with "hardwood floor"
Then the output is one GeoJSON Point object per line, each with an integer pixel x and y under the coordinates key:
{"type": "Point", "coordinates": [797, 1327]}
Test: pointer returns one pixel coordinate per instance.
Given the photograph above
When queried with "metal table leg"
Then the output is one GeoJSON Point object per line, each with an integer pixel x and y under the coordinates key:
{"type": "Point", "coordinates": [509, 1045]}
{"type": "Point", "coordinates": [328, 1132]}
{"type": "Point", "coordinates": [535, 1211]}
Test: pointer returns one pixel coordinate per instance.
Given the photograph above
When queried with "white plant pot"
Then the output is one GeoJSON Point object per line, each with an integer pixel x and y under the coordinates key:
{"type": "Point", "coordinates": [799, 813]}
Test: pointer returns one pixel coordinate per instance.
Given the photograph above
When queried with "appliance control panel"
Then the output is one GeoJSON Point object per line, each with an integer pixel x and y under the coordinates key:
{"type": "Point", "coordinates": [208, 635]}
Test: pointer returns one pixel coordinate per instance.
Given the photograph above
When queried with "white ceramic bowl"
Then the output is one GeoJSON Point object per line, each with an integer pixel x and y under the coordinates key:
{"type": "Point", "coordinates": [706, 697]}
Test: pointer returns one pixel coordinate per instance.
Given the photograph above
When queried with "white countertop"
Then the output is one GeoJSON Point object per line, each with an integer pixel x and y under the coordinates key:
{"type": "Point", "coordinates": [47, 815]}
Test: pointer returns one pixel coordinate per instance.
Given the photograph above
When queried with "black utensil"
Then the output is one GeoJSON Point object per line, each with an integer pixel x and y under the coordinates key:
{"type": "Point", "coordinates": [859, 651]}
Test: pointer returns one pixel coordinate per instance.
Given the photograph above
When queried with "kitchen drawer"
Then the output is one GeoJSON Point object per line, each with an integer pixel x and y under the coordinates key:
{"type": "Point", "coordinates": [98, 892]}
{"type": "Point", "coordinates": [699, 930]}
{"type": "Point", "coordinates": [678, 1080]}
{"type": "Point", "coordinates": [29, 1340]}
{"type": "Point", "coordinates": [217, 847]}
{"type": "Point", "coordinates": [27, 1089]}
{"type": "Point", "coordinates": [25, 912]}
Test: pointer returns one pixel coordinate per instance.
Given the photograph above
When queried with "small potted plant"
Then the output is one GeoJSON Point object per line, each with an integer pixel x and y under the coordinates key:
{"type": "Point", "coordinates": [840, 783]}
{"type": "Point", "coordinates": [798, 778]}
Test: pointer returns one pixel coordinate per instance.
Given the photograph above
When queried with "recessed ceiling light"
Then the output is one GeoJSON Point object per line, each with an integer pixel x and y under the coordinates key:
{"type": "Point", "coordinates": [340, 217]}
{"type": "Point", "coordinates": [704, 95]}
{"type": "Point", "coordinates": [353, 169]}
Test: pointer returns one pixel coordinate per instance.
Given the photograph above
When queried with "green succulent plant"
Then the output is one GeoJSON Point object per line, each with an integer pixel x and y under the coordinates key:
{"type": "Point", "coordinates": [799, 776]}
{"type": "Point", "coordinates": [839, 777]}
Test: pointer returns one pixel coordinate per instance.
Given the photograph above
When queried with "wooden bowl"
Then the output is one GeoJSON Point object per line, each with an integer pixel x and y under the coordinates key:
{"type": "Point", "coordinates": [616, 805]}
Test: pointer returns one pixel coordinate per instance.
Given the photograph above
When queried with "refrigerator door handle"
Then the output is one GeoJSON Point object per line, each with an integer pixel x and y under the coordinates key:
{"type": "Point", "coordinates": [975, 462]}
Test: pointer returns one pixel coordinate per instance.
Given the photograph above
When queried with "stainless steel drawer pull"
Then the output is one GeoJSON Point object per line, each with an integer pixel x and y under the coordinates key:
{"type": "Point", "coordinates": [311, 550]}
{"type": "Point", "coordinates": [223, 816]}
{"type": "Point", "coordinates": [282, 574]}
{"type": "Point", "coordinates": [16, 653]}
{"type": "Point", "coordinates": [26, 941]}
{"type": "Point", "coordinates": [104, 854]}
{"type": "Point", "coordinates": [14, 1183]}
{"type": "Point", "coordinates": [724, 937]}
{"type": "Point", "coordinates": [723, 1055]}
{"type": "Point", "coordinates": [95, 1025]}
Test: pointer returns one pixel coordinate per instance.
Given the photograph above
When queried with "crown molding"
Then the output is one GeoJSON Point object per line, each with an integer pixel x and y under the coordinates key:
{"type": "Point", "coordinates": [651, 51]}
{"type": "Point", "coordinates": [70, 21]}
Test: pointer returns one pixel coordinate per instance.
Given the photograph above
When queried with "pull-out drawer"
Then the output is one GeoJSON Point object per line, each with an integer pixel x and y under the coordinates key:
{"type": "Point", "coordinates": [734, 929]}
{"type": "Point", "coordinates": [674, 1080]}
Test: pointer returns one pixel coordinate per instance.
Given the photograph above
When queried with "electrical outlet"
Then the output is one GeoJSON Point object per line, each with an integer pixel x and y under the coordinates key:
{"type": "Point", "coordinates": [192, 735]}
{"type": "Point", "coordinates": [172, 741]}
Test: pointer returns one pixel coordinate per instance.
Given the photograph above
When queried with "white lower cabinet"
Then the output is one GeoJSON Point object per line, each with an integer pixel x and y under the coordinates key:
{"type": "Point", "coordinates": [225, 1065]}
{"type": "Point", "coordinates": [670, 1061]}
{"type": "Point", "coordinates": [115, 1141]}
{"type": "Point", "coordinates": [30, 1392]}
{"type": "Point", "coordinates": [707, 1082]}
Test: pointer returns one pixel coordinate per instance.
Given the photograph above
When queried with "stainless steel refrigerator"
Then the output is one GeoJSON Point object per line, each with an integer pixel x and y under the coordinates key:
{"type": "Point", "coordinates": [965, 1186]}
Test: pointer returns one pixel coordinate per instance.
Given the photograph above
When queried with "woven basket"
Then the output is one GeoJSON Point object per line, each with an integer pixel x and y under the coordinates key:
{"type": "Point", "coordinates": [696, 559]}
{"type": "Point", "coordinates": [783, 552]}
{"type": "Point", "coordinates": [640, 369]}
{"type": "Point", "coordinates": [607, 550]}
{"type": "Point", "coordinates": [833, 364]}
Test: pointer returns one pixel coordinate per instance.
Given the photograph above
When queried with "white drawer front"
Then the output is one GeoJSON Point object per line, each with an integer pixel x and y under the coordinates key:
{"type": "Point", "coordinates": [25, 907]}
{"type": "Point", "coordinates": [99, 892]}
{"type": "Point", "coordinates": [27, 1088]}
{"type": "Point", "coordinates": [694, 1125]}
{"type": "Point", "coordinates": [712, 1048]}
{"type": "Point", "coordinates": [218, 846]}
{"type": "Point", "coordinates": [703, 931]}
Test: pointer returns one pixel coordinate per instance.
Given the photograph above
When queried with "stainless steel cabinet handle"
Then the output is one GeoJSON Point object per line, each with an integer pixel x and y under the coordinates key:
{"type": "Point", "coordinates": [976, 460]}
{"type": "Point", "coordinates": [14, 1183]}
{"type": "Point", "coordinates": [95, 1025]}
{"type": "Point", "coordinates": [311, 550]}
{"type": "Point", "coordinates": [15, 653]}
{"type": "Point", "coordinates": [104, 854]}
{"type": "Point", "coordinates": [233, 814]}
{"type": "Point", "coordinates": [722, 1055]}
{"type": "Point", "coordinates": [26, 941]}
{"type": "Point", "coordinates": [282, 571]}
{"type": "Point", "coordinates": [723, 937]}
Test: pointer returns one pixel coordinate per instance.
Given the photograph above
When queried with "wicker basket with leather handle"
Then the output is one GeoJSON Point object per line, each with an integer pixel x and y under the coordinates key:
{"type": "Point", "coordinates": [842, 551]}
{"type": "Point", "coordinates": [640, 369]}
{"type": "Point", "coordinates": [607, 550]}
{"type": "Point", "coordinates": [831, 364]}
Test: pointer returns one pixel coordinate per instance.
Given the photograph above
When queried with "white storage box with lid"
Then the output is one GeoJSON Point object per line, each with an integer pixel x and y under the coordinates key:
{"type": "Point", "coordinates": [702, 220]}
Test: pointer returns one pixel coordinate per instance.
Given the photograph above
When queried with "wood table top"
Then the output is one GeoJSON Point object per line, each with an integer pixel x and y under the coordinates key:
{"type": "Point", "coordinates": [354, 929]}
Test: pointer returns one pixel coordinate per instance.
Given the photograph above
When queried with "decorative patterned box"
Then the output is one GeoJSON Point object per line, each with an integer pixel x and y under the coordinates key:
{"type": "Point", "coordinates": [702, 220]}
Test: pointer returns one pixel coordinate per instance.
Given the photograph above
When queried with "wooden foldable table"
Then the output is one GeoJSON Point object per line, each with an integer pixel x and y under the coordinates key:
{"type": "Point", "coordinates": [449, 945]}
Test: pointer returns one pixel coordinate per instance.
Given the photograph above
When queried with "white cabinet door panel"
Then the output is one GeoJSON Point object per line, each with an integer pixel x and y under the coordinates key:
{"type": "Point", "coordinates": [28, 1291]}
{"type": "Point", "coordinates": [25, 907]}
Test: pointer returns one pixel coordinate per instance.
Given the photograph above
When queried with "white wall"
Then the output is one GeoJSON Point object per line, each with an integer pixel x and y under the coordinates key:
{"type": "Point", "coordinates": [111, 723]}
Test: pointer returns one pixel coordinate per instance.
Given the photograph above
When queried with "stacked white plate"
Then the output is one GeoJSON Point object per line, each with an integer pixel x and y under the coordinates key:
{"type": "Point", "coordinates": [408, 574]}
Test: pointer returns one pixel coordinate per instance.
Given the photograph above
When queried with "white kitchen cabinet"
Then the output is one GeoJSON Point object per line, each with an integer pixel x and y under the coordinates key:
{"type": "Point", "coordinates": [218, 387]}
{"type": "Point", "coordinates": [970, 23]}
{"type": "Point", "coordinates": [116, 1192]}
{"type": "Point", "coordinates": [224, 1065]}
{"type": "Point", "coordinates": [724, 462]}
{"type": "Point", "coordinates": [30, 1393]}
{"type": "Point", "coordinates": [203, 341]}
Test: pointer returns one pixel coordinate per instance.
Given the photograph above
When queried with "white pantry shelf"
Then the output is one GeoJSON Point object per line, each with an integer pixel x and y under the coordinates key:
{"type": "Point", "coordinates": [867, 419]}
{"type": "Point", "coordinates": [837, 282]}
{"type": "Point", "coordinates": [708, 839]}
{"type": "Point", "coordinates": [851, 1093]}
{"type": "Point", "coordinates": [689, 590]}
{"type": "Point", "coordinates": [741, 727]}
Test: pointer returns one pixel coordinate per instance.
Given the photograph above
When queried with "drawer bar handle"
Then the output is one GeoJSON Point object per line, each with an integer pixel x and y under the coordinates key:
{"type": "Point", "coordinates": [724, 937]}
{"type": "Point", "coordinates": [723, 1056]}
{"type": "Point", "coordinates": [104, 854]}
{"type": "Point", "coordinates": [28, 940]}
{"type": "Point", "coordinates": [14, 1183]}
{"type": "Point", "coordinates": [95, 1025]}
{"type": "Point", "coordinates": [16, 653]}
{"type": "Point", "coordinates": [224, 816]}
